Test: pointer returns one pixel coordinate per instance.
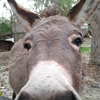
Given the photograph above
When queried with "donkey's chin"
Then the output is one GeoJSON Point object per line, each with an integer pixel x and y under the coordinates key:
{"type": "Point", "coordinates": [48, 81]}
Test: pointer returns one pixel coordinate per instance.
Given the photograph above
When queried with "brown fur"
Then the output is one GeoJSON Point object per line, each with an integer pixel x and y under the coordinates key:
{"type": "Point", "coordinates": [24, 12]}
{"type": "Point", "coordinates": [56, 50]}
{"type": "Point", "coordinates": [49, 12]}
{"type": "Point", "coordinates": [48, 40]}
{"type": "Point", "coordinates": [75, 10]}
{"type": "Point", "coordinates": [17, 58]}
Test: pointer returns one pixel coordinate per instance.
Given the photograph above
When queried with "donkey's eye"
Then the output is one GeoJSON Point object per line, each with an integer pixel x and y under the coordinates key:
{"type": "Point", "coordinates": [77, 41]}
{"type": "Point", "coordinates": [27, 46]}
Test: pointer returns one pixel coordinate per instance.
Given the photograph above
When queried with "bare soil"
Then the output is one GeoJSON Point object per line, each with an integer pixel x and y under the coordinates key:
{"type": "Point", "coordinates": [5, 89]}
{"type": "Point", "coordinates": [91, 90]}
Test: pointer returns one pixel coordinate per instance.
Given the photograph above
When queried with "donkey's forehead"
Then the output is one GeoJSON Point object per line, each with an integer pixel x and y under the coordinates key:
{"type": "Point", "coordinates": [56, 22]}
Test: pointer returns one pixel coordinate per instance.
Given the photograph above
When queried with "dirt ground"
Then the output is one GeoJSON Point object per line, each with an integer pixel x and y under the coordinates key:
{"type": "Point", "coordinates": [91, 79]}
{"type": "Point", "coordinates": [91, 90]}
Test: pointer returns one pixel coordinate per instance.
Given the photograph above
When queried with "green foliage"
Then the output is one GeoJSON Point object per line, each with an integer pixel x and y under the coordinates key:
{"type": "Point", "coordinates": [4, 25]}
{"type": "Point", "coordinates": [0, 93]}
{"type": "Point", "coordinates": [62, 5]}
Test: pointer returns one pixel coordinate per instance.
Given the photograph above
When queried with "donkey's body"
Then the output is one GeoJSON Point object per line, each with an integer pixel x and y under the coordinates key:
{"type": "Point", "coordinates": [46, 64]}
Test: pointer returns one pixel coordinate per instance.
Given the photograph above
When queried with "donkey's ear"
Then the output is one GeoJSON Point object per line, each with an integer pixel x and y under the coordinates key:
{"type": "Point", "coordinates": [82, 11]}
{"type": "Point", "coordinates": [24, 17]}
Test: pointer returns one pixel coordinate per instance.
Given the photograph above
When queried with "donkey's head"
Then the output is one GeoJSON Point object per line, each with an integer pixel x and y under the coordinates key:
{"type": "Point", "coordinates": [54, 59]}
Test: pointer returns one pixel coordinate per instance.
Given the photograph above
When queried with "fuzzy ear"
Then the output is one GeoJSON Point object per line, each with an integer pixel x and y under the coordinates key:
{"type": "Point", "coordinates": [82, 11]}
{"type": "Point", "coordinates": [24, 17]}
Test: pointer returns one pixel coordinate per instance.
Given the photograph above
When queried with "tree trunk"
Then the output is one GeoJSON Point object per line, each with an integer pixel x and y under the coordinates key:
{"type": "Point", "coordinates": [11, 19]}
{"type": "Point", "coordinates": [95, 41]}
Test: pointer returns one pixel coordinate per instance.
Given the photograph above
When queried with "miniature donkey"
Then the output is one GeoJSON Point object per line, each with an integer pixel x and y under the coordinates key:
{"type": "Point", "coordinates": [46, 63]}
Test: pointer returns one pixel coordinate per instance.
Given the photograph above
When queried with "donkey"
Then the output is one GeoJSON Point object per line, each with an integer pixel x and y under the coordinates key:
{"type": "Point", "coordinates": [46, 64]}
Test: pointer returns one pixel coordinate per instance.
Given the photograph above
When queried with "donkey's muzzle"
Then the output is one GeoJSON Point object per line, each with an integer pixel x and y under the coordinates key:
{"type": "Point", "coordinates": [60, 96]}
{"type": "Point", "coordinates": [24, 96]}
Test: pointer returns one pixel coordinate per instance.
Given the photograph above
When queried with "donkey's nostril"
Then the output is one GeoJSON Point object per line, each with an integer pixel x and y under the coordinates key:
{"type": "Point", "coordinates": [66, 96]}
{"type": "Point", "coordinates": [25, 96]}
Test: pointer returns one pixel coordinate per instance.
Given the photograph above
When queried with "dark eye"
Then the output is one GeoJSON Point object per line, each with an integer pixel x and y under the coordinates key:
{"type": "Point", "coordinates": [27, 46]}
{"type": "Point", "coordinates": [77, 41]}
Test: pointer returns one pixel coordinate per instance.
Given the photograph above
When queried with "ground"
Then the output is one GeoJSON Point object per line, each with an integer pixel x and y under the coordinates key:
{"type": "Point", "coordinates": [5, 89]}
{"type": "Point", "coordinates": [91, 88]}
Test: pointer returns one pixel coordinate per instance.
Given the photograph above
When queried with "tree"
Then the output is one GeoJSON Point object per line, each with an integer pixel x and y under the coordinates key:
{"type": "Point", "coordinates": [11, 18]}
{"type": "Point", "coordinates": [95, 41]}
{"type": "Point", "coordinates": [63, 6]}
{"type": "Point", "coordinates": [4, 25]}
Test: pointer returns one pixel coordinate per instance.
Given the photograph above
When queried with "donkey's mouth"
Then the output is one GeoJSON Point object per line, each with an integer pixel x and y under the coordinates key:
{"type": "Point", "coordinates": [68, 95]}
{"type": "Point", "coordinates": [48, 81]}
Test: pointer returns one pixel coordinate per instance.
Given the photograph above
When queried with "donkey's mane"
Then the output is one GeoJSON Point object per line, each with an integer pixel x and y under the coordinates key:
{"type": "Point", "coordinates": [49, 11]}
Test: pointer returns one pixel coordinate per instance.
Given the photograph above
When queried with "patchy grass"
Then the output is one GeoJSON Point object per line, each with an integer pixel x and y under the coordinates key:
{"type": "Point", "coordinates": [0, 93]}
{"type": "Point", "coordinates": [86, 47]}
{"type": "Point", "coordinates": [85, 50]}
{"type": "Point", "coordinates": [87, 42]}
